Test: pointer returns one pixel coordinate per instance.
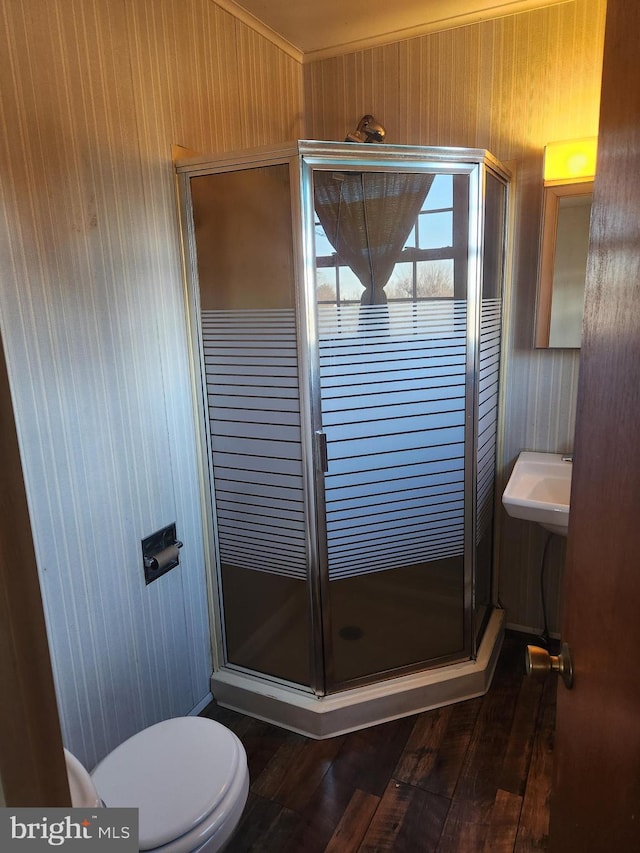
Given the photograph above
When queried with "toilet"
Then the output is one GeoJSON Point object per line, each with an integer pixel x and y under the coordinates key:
{"type": "Point", "coordinates": [187, 776]}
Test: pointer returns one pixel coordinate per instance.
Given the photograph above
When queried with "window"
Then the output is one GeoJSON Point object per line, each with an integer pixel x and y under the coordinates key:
{"type": "Point", "coordinates": [426, 266]}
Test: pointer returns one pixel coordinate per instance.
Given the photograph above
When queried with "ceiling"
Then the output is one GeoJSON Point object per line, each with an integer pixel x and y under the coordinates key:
{"type": "Point", "coordinates": [316, 29]}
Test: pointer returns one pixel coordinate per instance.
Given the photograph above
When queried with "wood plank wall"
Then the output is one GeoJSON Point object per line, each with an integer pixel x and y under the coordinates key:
{"type": "Point", "coordinates": [93, 93]}
{"type": "Point", "coordinates": [510, 85]}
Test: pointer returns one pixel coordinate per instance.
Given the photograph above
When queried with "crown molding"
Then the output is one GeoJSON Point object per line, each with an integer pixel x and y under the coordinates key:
{"type": "Point", "coordinates": [489, 10]}
{"type": "Point", "coordinates": [497, 10]}
{"type": "Point", "coordinates": [261, 28]}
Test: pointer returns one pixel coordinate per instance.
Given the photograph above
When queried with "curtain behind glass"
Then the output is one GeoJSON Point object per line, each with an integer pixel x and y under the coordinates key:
{"type": "Point", "coordinates": [367, 218]}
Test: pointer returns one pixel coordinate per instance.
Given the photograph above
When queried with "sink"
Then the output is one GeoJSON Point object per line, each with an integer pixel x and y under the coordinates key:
{"type": "Point", "coordinates": [539, 489]}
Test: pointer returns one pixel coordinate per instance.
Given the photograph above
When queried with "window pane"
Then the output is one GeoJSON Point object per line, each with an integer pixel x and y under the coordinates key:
{"type": "Point", "coordinates": [323, 246]}
{"type": "Point", "coordinates": [435, 279]}
{"type": "Point", "coordinates": [441, 193]}
{"type": "Point", "coordinates": [411, 239]}
{"type": "Point", "coordinates": [400, 284]}
{"type": "Point", "coordinates": [351, 288]}
{"type": "Point", "coordinates": [436, 230]}
{"type": "Point", "coordinates": [326, 284]}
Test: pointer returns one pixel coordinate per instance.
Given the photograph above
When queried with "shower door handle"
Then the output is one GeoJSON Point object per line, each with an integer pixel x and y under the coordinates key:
{"type": "Point", "coordinates": [323, 455]}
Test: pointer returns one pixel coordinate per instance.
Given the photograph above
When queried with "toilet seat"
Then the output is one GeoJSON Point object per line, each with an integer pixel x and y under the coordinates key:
{"type": "Point", "coordinates": [187, 776]}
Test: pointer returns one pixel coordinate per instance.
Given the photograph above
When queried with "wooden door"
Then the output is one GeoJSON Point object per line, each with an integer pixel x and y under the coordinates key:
{"type": "Point", "coordinates": [32, 769]}
{"type": "Point", "coordinates": [596, 801]}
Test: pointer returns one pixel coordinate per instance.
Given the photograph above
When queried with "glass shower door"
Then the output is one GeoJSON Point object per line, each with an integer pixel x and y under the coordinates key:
{"type": "Point", "coordinates": [392, 272]}
{"type": "Point", "coordinates": [250, 352]}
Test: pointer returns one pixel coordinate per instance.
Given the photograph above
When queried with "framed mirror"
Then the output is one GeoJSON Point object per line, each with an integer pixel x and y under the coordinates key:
{"type": "Point", "coordinates": [563, 263]}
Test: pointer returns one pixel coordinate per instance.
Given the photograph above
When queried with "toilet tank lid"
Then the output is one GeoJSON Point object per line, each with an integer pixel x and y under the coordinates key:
{"type": "Point", "coordinates": [175, 773]}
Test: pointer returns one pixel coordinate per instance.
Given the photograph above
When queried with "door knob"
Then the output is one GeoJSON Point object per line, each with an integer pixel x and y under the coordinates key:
{"type": "Point", "coordinates": [539, 662]}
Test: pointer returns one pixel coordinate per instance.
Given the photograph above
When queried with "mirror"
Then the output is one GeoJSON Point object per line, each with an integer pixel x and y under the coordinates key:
{"type": "Point", "coordinates": [563, 263]}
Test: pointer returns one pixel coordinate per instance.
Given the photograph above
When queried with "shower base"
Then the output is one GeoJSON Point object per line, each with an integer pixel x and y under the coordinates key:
{"type": "Point", "coordinates": [360, 707]}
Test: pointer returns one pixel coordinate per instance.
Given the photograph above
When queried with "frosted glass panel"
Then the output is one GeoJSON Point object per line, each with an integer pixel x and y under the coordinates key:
{"type": "Point", "coordinates": [488, 375]}
{"type": "Point", "coordinates": [251, 368]}
{"type": "Point", "coordinates": [393, 401]}
{"type": "Point", "coordinates": [243, 231]}
{"type": "Point", "coordinates": [486, 416]}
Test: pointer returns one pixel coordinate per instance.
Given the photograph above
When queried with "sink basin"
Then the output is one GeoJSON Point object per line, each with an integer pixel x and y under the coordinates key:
{"type": "Point", "coordinates": [539, 489]}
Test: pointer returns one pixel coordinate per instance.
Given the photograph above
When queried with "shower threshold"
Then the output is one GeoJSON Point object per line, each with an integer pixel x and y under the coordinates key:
{"type": "Point", "coordinates": [358, 708]}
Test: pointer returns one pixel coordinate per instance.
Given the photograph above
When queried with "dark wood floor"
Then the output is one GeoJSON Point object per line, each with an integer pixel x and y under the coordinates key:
{"type": "Point", "coordinates": [470, 777]}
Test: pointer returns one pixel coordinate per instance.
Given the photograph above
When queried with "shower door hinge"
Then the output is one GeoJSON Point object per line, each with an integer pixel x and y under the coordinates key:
{"type": "Point", "coordinates": [323, 456]}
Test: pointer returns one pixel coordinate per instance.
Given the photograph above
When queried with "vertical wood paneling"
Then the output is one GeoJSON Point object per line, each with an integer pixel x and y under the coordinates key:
{"type": "Point", "coordinates": [510, 85]}
{"type": "Point", "coordinates": [269, 102]}
{"type": "Point", "coordinates": [93, 94]}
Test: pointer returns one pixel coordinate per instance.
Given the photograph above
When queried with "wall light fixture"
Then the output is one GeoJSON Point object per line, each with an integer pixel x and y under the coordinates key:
{"type": "Point", "coordinates": [570, 162]}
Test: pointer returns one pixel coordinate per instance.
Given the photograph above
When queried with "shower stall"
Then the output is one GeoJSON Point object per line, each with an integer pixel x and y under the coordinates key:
{"type": "Point", "coordinates": [345, 307]}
